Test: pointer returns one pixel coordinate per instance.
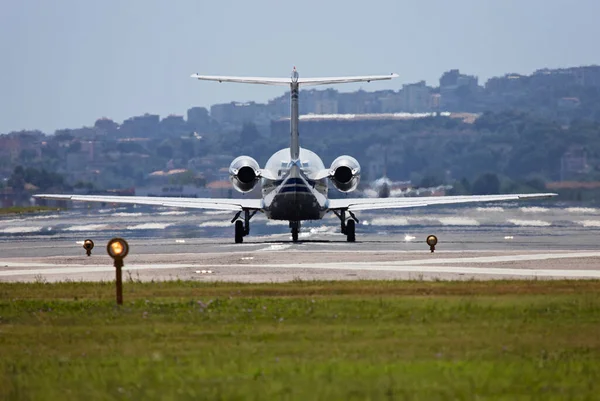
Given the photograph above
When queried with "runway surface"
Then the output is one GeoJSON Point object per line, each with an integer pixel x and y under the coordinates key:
{"type": "Point", "coordinates": [522, 241]}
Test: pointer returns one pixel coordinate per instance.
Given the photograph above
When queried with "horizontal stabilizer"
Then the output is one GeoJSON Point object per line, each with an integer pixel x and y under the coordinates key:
{"type": "Point", "coordinates": [343, 80]}
{"type": "Point", "coordinates": [288, 81]}
{"type": "Point", "coordinates": [244, 80]}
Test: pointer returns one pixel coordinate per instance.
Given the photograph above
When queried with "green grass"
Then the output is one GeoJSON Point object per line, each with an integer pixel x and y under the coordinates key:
{"type": "Point", "coordinates": [301, 340]}
{"type": "Point", "coordinates": [27, 209]}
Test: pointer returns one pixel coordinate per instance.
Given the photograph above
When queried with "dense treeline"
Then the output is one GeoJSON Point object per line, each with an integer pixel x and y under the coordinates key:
{"type": "Point", "coordinates": [522, 150]}
{"type": "Point", "coordinates": [513, 144]}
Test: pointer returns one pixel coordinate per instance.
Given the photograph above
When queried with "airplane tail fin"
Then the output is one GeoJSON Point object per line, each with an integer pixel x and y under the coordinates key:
{"type": "Point", "coordinates": [294, 82]}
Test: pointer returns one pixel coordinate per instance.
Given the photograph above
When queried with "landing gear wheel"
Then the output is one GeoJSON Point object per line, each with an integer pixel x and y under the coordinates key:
{"type": "Point", "coordinates": [239, 232]}
{"type": "Point", "coordinates": [350, 233]}
{"type": "Point", "coordinates": [295, 226]}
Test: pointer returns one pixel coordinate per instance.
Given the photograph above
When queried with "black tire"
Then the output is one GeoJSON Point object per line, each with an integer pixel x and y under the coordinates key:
{"type": "Point", "coordinates": [350, 231]}
{"type": "Point", "coordinates": [295, 234]}
{"type": "Point", "coordinates": [239, 232]}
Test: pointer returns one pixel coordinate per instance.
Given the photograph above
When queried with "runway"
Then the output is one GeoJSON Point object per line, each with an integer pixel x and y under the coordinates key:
{"type": "Point", "coordinates": [475, 244]}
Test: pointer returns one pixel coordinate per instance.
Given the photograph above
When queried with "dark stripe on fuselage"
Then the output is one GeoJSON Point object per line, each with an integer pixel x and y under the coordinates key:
{"type": "Point", "coordinates": [294, 181]}
{"type": "Point", "coordinates": [294, 188]}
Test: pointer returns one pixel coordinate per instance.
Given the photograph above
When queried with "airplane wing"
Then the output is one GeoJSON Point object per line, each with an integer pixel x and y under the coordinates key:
{"type": "Point", "coordinates": [244, 80]}
{"type": "Point", "coordinates": [341, 80]}
{"type": "Point", "coordinates": [357, 204]}
{"type": "Point", "coordinates": [187, 203]}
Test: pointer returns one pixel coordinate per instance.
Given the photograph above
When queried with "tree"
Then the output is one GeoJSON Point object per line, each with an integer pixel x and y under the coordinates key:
{"type": "Point", "coordinates": [27, 155]}
{"type": "Point", "coordinates": [249, 135]}
{"type": "Point", "coordinates": [486, 184]}
{"type": "Point", "coordinates": [17, 179]}
{"type": "Point", "coordinates": [165, 150]}
{"type": "Point", "coordinates": [430, 181]}
{"type": "Point", "coordinates": [74, 147]}
{"type": "Point", "coordinates": [462, 187]}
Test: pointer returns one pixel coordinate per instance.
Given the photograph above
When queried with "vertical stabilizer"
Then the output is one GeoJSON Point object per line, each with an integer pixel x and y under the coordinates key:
{"type": "Point", "coordinates": [294, 117]}
{"type": "Point", "coordinates": [295, 82]}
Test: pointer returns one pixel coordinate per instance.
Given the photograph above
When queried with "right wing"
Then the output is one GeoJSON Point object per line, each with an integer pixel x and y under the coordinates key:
{"type": "Point", "coordinates": [356, 204]}
{"type": "Point", "coordinates": [187, 203]}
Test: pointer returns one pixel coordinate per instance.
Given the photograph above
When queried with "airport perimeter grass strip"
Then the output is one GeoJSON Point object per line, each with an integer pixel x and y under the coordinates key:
{"type": "Point", "coordinates": [28, 210]}
{"type": "Point", "coordinates": [301, 341]}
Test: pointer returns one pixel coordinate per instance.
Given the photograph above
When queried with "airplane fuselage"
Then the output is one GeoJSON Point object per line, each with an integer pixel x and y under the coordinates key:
{"type": "Point", "coordinates": [295, 195]}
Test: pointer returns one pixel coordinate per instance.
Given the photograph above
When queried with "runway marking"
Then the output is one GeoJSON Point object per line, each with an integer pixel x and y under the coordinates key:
{"type": "Point", "coordinates": [451, 269]}
{"type": "Point", "coordinates": [52, 269]}
{"type": "Point", "coordinates": [423, 266]}
{"type": "Point", "coordinates": [328, 266]}
{"type": "Point", "coordinates": [275, 247]}
{"type": "Point", "coordinates": [498, 259]}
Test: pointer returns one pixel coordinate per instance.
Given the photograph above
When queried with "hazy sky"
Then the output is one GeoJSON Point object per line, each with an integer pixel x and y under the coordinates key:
{"type": "Point", "coordinates": [65, 63]}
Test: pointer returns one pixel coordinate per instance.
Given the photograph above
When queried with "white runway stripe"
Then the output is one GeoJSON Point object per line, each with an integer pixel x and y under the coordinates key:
{"type": "Point", "coordinates": [498, 259]}
{"type": "Point", "coordinates": [327, 266]}
{"type": "Point", "coordinates": [433, 265]}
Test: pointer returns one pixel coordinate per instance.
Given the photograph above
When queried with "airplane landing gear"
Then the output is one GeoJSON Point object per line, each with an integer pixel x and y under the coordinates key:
{"type": "Point", "coordinates": [239, 232]}
{"type": "Point", "coordinates": [295, 226]}
{"type": "Point", "coordinates": [348, 227]}
{"type": "Point", "coordinates": [242, 228]}
{"type": "Point", "coordinates": [350, 233]}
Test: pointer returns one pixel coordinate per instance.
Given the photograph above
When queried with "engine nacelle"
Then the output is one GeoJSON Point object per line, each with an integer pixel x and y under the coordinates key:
{"type": "Point", "coordinates": [345, 173]}
{"type": "Point", "coordinates": [244, 173]}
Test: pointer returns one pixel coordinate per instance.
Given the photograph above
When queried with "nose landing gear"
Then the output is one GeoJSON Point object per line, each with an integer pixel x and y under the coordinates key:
{"type": "Point", "coordinates": [295, 226]}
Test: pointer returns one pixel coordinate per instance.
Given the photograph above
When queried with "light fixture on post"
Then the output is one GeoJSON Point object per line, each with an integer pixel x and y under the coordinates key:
{"type": "Point", "coordinates": [432, 242]}
{"type": "Point", "coordinates": [117, 249]}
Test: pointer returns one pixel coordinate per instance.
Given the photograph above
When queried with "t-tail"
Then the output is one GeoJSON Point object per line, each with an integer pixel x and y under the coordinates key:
{"type": "Point", "coordinates": [294, 117]}
{"type": "Point", "coordinates": [294, 82]}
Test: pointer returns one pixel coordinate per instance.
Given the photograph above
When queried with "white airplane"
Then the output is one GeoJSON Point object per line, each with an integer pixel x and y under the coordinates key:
{"type": "Point", "coordinates": [294, 181]}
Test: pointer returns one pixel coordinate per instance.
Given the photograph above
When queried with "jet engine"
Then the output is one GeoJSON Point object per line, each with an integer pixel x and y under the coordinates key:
{"type": "Point", "coordinates": [244, 173]}
{"type": "Point", "coordinates": [345, 173]}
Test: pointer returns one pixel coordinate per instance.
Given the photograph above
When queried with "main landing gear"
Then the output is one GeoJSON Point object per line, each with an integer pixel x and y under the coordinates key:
{"type": "Point", "coordinates": [242, 228]}
{"type": "Point", "coordinates": [348, 227]}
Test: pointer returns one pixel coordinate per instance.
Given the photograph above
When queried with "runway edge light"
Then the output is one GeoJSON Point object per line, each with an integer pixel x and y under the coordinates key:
{"type": "Point", "coordinates": [432, 242]}
{"type": "Point", "coordinates": [118, 248]}
{"type": "Point", "coordinates": [88, 245]}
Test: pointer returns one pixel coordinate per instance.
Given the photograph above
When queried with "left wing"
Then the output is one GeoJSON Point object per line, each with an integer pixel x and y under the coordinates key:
{"type": "Point", "coordinates": [356, 204]}
{"type": "Point", "coordinates": [188, 203]}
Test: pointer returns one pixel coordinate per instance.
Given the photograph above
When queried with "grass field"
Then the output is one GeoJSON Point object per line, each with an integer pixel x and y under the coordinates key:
{"type": "Point", "coordinates": [301, 341]}
{"type": "Point", "coordinates": [27, 209]}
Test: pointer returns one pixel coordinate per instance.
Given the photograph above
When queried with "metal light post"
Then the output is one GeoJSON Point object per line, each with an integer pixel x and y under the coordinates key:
{"type": "Point", "coordinates": [432, 242]}
{"type": "Point", "coordinates": [118, 248]}
{"type": "Point", "coordinates": [88, 245]}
